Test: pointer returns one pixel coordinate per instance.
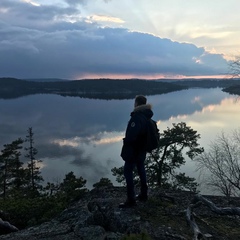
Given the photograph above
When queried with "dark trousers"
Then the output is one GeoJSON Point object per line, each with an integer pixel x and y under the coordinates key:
{"type": "Point", "coordinates": [128, 173]}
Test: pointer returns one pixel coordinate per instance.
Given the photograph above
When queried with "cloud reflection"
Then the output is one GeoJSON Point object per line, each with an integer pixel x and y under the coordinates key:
{"type": "Point", "coordinates": [85, 135]}
{"type": "Point", "coordinates": [108, 138]}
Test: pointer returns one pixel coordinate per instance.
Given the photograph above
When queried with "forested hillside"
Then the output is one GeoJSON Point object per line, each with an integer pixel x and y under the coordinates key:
{"type": "Point", "coordinates": [99, 88]}
{"type": "Point", "coordinates": [233, 89]}
{"type": "Point", "coordinates": [107, 88]}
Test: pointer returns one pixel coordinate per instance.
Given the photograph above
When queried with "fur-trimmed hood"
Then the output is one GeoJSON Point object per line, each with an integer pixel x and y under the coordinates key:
{"type": "Point", "coordinates": [142, 108]}
{"type": "Point", "coordinates": [145, 109]}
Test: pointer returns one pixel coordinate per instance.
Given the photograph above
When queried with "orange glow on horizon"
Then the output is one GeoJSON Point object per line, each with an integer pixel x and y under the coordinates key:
{"type": "Point", "coordinates": [149, 76]}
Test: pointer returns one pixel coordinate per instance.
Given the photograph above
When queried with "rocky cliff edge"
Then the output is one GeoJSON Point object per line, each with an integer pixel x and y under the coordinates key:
{"type": "Point", "coordinates": [98, 217]}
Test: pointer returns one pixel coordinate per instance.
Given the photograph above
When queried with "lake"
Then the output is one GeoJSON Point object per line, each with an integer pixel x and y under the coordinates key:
{"type": "Point", "coordinates": [85, 135]}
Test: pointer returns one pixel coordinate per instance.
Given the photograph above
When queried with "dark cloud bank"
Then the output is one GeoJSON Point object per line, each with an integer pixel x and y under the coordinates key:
{"type": "Point", "coordinates": [39, 42]}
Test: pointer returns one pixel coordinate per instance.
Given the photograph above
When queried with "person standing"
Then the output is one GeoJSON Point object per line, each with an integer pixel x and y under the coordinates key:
{"type": "Point", "coordinates": [134, 150]}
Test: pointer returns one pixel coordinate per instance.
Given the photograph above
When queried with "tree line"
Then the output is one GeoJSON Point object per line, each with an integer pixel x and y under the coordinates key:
{"type": "Point", "coordinates": [28, 202]}
{"type": "Point", "coordinates": [15, 179]}
{"type": "Point", "coordinates": [24, 200]}
{"type": "Point", "coordinates": [91, 88]}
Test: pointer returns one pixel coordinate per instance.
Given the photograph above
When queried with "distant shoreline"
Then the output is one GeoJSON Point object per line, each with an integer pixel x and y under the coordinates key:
{"type": "Point", "coordinates": [108, 88]}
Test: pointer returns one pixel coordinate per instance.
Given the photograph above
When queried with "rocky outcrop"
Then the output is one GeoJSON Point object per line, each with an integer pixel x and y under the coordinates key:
{"type": "Point", "coordinates": [97, 217]}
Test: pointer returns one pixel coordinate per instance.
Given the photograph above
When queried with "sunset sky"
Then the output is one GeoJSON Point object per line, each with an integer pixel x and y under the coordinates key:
{"type": "Point", "coordinates": [75, 39]}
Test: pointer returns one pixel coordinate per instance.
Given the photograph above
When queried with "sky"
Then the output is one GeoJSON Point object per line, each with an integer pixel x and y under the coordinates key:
{"type": "Point", "coordinates": [149, 39]}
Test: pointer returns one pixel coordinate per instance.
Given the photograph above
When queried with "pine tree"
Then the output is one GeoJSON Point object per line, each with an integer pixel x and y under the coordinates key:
{"type": "Point", "coordinates": [162, 164]}
{"type": "Point", "coordinates": [73, 187]}
{"type": "Point", "coordinates": [12, 175]}
{"type": "Point", "coordinates": [34, 175]}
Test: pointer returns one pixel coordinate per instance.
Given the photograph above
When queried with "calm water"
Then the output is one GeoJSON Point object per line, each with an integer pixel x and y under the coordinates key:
{"type": "Point", "coordinates": [85, 135]}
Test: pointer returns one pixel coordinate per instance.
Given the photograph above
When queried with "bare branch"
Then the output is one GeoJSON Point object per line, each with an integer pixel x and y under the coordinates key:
{"type": "Point", "coordinates": [197, 201]}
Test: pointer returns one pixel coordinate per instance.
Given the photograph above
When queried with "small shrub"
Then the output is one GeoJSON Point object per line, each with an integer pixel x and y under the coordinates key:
{"type": "Point", "coordinates": [104, 182]}
{"type": "Point", "coordinates": [25, 212]}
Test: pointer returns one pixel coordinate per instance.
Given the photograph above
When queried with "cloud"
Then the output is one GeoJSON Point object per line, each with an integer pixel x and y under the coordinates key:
{"type": "Point", "coordinates": [76, 155]}
{"type": "Point", "coordinates": [31, 2]}
{"type": "Point", "coordinates": [76, 2]}
{"type": "Point", "coordinates": [33, 16]}
{"type": "Point", "coordinates": [70, 158]}
{"type": "Point", "coordinates": [55, 41]}
{"type": "Point", "coordinates": [102, 18]}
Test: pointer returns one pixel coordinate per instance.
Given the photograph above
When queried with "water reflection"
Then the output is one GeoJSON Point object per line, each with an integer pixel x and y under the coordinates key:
{"type": "Point", "coordinates": [85, 135]}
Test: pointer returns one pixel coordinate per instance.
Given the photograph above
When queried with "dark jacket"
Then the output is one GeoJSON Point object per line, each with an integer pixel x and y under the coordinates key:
{"type": "Point", "coordinates": [135, 136]}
